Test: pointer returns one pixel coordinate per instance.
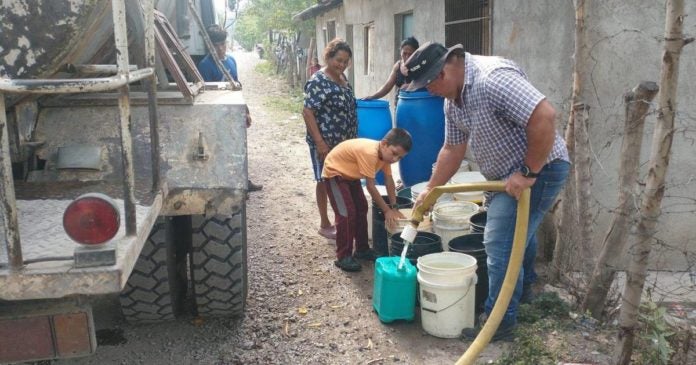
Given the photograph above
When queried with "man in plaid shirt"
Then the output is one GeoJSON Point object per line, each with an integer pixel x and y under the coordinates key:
{"type": "Point", "coordinates": [509, 126]}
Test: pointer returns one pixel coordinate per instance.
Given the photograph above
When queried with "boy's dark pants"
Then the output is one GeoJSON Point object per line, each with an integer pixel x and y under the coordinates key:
{"type": "Point", "coordinates": [350, 208]}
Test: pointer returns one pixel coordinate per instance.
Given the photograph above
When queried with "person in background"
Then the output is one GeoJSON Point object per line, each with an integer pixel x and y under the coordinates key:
{"type": "Point", "coordinates": [207, 66]}
{"type": "Point", "coordinates": [210, 72]}
{"type": "Point", "coordinates": [396, 77]}
{"type": "Point", "coordinates": [314, 67]}
{"type": "Point", "coordinates": [344, 166]}
{"type": "Point", "coordinates": [330, 117]}
{"type": "Point", "coordinates": [510, 126]}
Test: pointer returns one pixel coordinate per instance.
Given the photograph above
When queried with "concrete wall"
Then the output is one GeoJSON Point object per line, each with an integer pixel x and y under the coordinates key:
{"type": "Point", "coordinates": [429, 18]}
{"type": "Point", "coordinates": [627, 46]}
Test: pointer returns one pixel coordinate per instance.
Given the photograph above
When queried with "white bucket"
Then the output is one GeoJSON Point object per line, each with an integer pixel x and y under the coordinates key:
{"type": "Point", "coordinates": [424, 226]}
{"type": "Point", "coordinates": [462, 177]}
{"type": "Point", "coordinates": [447, 293]}
{"type": "Point", "coordinates": [451, 219]}
{"type": "Point", "coordinates": [418, 188]}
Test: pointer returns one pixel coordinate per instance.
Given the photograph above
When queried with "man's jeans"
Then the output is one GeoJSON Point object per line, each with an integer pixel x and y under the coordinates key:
{"type": "Point", "coordinates": [500, 229]}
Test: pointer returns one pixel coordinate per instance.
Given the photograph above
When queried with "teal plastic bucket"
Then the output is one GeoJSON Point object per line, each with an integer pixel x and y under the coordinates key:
{"type": "Point", "coordinates": [421, 114]}
{"type": "Point", "coordinates": [394, 292]}
{"type": "Point", "coordinates": [374, 121]}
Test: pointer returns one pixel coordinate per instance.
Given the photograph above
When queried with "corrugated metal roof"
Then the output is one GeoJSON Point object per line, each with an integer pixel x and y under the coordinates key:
{"type": "Point", "coordinates": [314, 11]}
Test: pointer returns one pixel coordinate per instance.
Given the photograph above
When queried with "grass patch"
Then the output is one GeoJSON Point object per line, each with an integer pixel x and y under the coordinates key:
{"type": "Point", "coordinates": [292, 102]}
{"type": "Point", "coordinates": [546, 314]}
{"type": "Point", "coordinates": [546, 305]}
{"type": "Point", "coordinates": [265, 68]}
{"type": "Point", "coordinates": [286, 99]}
{"type": "Point", "coordinates": [529, 347]}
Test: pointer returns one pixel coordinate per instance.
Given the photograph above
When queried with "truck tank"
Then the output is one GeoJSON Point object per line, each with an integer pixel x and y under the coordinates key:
{"type": "Point", "coordinates": [79, 32]}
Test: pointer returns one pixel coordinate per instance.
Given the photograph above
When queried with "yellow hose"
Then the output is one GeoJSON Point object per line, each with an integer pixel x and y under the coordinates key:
{"type": "Point", "coordinates": [513, 270]}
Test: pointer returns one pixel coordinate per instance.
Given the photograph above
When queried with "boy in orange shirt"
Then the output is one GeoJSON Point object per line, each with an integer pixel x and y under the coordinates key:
{"type": "Point", "coordinates": [344, 166]}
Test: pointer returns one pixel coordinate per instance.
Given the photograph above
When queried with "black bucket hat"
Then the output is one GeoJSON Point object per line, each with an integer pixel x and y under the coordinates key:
{"type": "Point", "coordinates": [426, 63]}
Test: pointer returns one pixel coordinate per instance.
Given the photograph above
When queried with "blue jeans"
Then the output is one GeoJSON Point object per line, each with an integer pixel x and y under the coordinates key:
{"type": "Point", "coordinates": [500, 229]}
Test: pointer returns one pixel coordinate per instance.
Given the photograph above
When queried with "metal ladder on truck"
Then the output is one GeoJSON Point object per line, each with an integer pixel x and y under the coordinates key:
{"type": "Point", "coordinates": [120, 81]}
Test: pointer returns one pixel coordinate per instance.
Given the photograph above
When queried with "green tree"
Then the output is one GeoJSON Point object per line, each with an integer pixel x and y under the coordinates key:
{"type": "Point", "coordinates": [261, 16]}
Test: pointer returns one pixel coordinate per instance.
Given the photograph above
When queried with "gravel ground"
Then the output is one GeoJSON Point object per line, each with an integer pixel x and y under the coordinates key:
{"type": "Point", "coordinates": [300, 309]}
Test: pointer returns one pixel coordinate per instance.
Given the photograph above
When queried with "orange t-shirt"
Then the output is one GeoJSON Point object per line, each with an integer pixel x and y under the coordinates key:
{"type": "Point", "coordinates": [355, 159]}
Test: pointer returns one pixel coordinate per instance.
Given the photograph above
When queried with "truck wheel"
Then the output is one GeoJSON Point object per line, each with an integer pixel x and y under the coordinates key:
{"type": "Point", "coordinates": [218, 264]}
{"type": "Point", "coordinates": [154, 291]}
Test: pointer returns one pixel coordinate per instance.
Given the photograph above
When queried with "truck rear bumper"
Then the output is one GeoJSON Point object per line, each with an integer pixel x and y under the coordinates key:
{"type": "Point", "coordinates": [39, 331]}
{"type": "Point", "coordinates": [59, 278]}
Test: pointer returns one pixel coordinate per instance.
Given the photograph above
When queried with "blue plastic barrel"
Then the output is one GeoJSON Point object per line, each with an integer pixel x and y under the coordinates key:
{"type": "Point", "coordinates": [374, 121]}
{"type": "Point", "coordinates": [421, 114]}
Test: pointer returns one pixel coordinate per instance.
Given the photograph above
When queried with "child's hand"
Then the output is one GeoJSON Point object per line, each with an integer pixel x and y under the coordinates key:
{"type": "Point", "coordinates": [399, 214]}
{"type": "Point", "coordinates": [391, 216]}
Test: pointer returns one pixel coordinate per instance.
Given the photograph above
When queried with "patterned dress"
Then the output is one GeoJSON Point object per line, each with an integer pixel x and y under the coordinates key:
{"type": "Point", "coordinates": [334, 109]}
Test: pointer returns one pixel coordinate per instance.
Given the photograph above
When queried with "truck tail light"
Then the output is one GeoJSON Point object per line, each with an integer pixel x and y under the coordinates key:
{"type": "Point", "coordinates": [91, 219]}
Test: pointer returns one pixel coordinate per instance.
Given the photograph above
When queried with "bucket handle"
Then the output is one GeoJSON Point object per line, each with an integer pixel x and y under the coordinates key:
{"type": "Point", "coordinates": [471, 280]}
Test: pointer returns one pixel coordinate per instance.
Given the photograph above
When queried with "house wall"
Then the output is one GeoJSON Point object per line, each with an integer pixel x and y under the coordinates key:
{"type": "Point", "coordinates": [626, 40]}
{"type": "Point", "coordinates": [429, 18]}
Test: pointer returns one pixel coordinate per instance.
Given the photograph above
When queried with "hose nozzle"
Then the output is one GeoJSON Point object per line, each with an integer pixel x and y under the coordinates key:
{"type": "Point", "coordinates": [409, 232]}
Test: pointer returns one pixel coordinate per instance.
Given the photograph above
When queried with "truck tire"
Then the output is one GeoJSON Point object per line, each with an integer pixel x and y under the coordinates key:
{"type": "Point", "coordinates": [218, 264]}
{"type": "Point", "coordinates": [154, 291]}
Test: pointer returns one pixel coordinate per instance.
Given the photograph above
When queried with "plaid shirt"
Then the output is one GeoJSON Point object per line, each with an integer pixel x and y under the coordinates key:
{"type": "Point", "coordinates": [497, 101]}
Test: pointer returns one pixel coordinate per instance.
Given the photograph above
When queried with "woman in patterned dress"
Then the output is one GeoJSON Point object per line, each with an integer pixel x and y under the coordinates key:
{"type": "Point", "coordinates": [330, 116]}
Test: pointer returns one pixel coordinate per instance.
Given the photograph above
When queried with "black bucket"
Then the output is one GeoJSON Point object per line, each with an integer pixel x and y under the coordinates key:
{"type": "Point", "coordinates": [472, 245]}
{"type": "Point", "coordinates": [379, 232]}
{"type": "Point", "coordinates": [477, 222]}
{"type": "Point", "coordinates": [425, 243]}
{"type": "Point", "coordinates": [404, 193]}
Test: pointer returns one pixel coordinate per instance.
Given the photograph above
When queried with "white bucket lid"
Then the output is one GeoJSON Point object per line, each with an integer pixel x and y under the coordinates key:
{"type": "Point", "coordinates": [418, 188]}
{"type": "Point", "coordinates": [462, 177]}
{"type": "Point", "coordinates": [414, 193]}
{"type": "Point", "coordinates": [447, 263]}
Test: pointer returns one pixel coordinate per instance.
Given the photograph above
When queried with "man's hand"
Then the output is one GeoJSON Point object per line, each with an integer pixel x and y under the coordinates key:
{"type": "Point", "coordinates": [420, 198]}
{"type": "Point", "coordinates": [516, 183]}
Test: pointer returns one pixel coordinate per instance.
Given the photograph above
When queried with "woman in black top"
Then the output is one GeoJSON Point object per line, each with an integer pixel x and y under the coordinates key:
{"type": "Point", "coordinates": [396, 78]}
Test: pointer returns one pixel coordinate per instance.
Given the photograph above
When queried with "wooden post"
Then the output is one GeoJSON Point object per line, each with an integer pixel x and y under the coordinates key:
{"type": "Point", "coordinates": [651, 206]}
{"type": "Point", "coordinates": [310, 56]}
{"type": "Point", "coordinates": [637, 106]}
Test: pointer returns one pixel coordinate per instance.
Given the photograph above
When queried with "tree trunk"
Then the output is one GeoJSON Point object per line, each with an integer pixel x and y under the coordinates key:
{"type": "Point", "coordinates": [650, 208]}
{"type": "Point", "coordinates": [637, 105]}
{"type": "Point", "coordinates": [583, 185]}
{"type": "Point", "coordinates": [310, 55]}
{"type": "Point", "coordinates": [290, 64]}
{"type": "Point", "coordinates": [567, 229]}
